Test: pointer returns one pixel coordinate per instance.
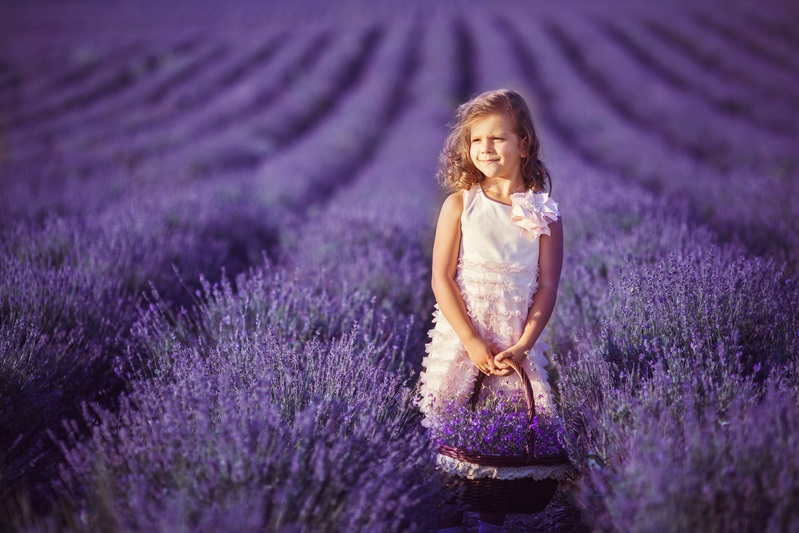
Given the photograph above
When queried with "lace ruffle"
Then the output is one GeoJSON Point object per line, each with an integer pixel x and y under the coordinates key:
{"type": "Point", "coordinates": [475, 471]}
{"type": "Point", "coordinates": [497, 297]}
{"type": "Point", "coordinates": [496, 327]}
{"type": "Point", "coordinates": [449, 373]}
{"type": "Point", "coordinates": [496, 266]}
{"type": "Point", "coordinates": [496, 289]}
{"type": "Point", "coordinates": [498, 302]}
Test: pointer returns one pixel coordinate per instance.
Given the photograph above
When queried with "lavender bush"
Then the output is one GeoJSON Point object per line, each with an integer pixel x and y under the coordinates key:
{"type": "Point", "coordinates": [708, 313]}
{"type": "Point", "coordinates": [271, 298]}
{"type": "Point", "coordinates": [659, 334]}
{"type": "Point", "coordinates": [286, 431]}
{"type": "Point", "coordinates": [363, 249]}
{"type": "Point", "coordinates": [725, 466]}
{"type": "Point", "coordinates": [74, 286]}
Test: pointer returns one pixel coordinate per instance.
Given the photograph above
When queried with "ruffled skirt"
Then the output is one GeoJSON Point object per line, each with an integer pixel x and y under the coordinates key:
{"type": "Point", "coordinates": [497, 297]}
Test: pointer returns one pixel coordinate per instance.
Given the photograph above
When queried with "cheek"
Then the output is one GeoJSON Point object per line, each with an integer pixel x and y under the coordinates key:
{"type": "Point", "coordinates": [473, 151]}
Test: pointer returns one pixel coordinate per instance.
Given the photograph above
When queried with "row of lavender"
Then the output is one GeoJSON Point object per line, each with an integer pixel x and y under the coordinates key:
{"type": "Point", "coordinates": [54, 288]}
{"type": "Point", "coordinates": [647, 96]}
{"type": "Point", "coordinates": [268, 321]}
{"type": "Point", "coordinates": [734, 101]}
{"type": "Point", "coordinates": [201, 127]}
{"type": "Point", "coordinates": [247, 374]}
{"type": "Point", "coordinates": [360, 462]}
{"type": "Point", "coordinates": [721, 104]}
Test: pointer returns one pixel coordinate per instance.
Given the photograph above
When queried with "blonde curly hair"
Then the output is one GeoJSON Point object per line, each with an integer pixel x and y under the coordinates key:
{"type": "Point", "coordinates": [456, 170]}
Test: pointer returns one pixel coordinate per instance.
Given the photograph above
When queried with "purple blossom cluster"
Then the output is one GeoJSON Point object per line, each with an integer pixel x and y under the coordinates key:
{"type": "Point", "coordinates": [727, 466]}
{"type": "Point", "coordinates": [498, 425]}
{"type": "Point", "coordinates": [720, 464]}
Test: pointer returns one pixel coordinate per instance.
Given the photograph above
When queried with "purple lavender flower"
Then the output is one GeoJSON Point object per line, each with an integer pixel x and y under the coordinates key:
{"type": "Point", "coordinates": [497, 426]}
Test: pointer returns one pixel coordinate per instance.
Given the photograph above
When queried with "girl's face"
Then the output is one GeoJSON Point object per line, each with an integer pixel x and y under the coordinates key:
{"type": "Point", "coordinates": [495, 148]}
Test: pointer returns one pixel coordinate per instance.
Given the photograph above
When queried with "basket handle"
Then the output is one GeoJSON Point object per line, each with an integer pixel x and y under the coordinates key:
{"type": "Point", "coordinates": [529, 398]}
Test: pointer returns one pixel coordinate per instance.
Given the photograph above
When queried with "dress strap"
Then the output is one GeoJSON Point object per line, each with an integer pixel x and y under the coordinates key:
{"type": "Point", "coordinates": [469, 195]}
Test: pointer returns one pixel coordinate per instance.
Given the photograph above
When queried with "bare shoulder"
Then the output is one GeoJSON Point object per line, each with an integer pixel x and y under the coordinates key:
{"type": "Point", "coordinates": [452, 206]}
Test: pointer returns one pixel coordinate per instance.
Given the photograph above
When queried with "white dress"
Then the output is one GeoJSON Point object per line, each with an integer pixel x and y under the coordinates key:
{"type": "Point", "coordinates": [497, 275]}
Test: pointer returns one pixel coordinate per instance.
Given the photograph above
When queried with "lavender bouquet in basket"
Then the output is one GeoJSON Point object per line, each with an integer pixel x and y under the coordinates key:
{"type": "Point", "coordinates": [498, 425]}
{"type": "Point", "coordinates": [502, 455]}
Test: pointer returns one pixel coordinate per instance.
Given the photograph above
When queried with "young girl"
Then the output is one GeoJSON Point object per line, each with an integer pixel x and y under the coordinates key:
{"type": "Point", "coordinates": [497, 259]}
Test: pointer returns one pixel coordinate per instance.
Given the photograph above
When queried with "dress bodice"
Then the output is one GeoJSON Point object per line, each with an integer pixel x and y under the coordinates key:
{"type": "Point", "coordinates": [498, 260]}
{"type": "Point", "coordinates": [489, 235]}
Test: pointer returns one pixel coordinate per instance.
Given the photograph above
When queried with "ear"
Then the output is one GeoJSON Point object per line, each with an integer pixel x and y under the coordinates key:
{"type": "Point", "coordinates": [522, 147]}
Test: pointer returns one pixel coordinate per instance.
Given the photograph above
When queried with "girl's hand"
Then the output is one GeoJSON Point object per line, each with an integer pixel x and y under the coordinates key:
{"type": "Point", "coordinates": [482, 353]}
{"type": "Point", "coordinates": [514, 352]}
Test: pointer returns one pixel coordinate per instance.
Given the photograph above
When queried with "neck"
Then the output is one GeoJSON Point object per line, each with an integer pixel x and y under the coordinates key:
{"type": "Point", "coordinates": [504, 186]}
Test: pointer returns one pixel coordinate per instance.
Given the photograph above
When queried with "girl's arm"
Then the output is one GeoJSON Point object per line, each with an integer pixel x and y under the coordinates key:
{"type": "Point", "coordinates": [446, 249]}
{"type": "Point", "coordinates": [550, 262]}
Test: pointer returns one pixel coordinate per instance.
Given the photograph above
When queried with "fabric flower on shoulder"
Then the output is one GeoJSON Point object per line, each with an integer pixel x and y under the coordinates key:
{"type": "Point", "coordinates": [533, 212]}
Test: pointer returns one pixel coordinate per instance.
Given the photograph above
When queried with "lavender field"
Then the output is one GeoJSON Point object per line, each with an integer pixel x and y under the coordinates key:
{"type": "Point", "coordinates": [216, 228]}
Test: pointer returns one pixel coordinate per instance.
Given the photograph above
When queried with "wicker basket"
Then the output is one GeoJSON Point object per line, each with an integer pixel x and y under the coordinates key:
{"type": "Point", "coordinates": [519, 494]}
